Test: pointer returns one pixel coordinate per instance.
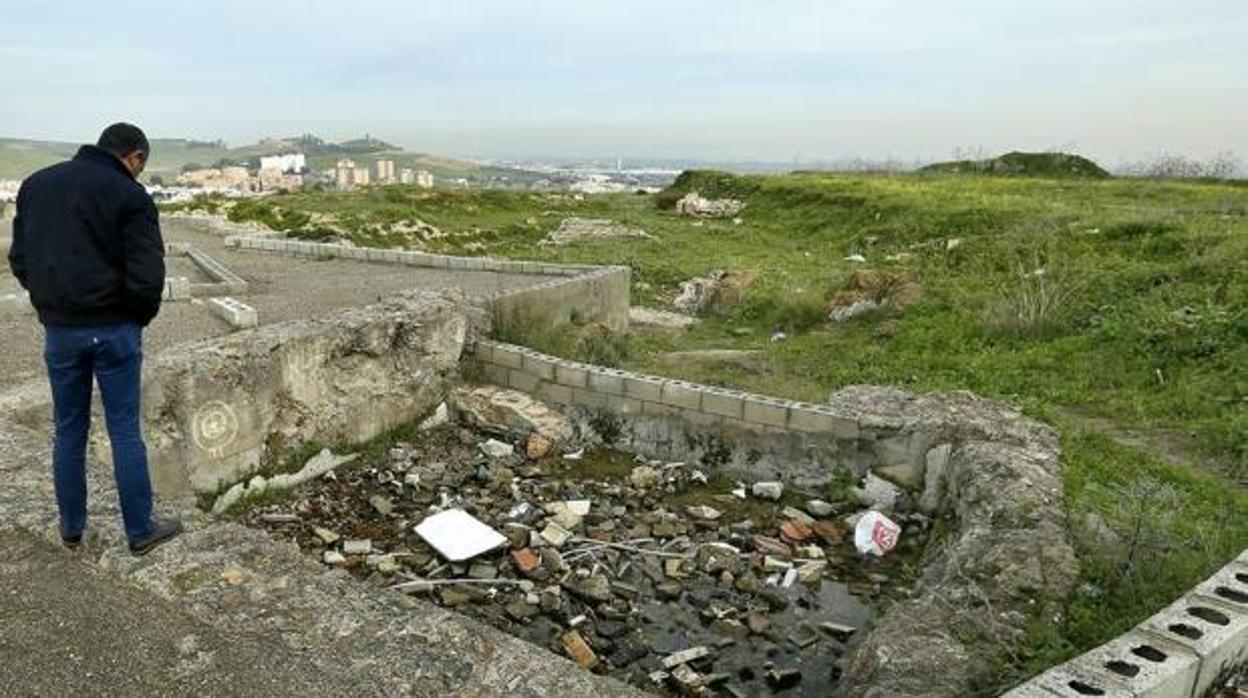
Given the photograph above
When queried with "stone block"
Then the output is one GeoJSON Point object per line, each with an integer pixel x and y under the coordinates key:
{"type": "Point", "coordinates": [624, 405]}
{"type": "Point", "coordinates": [643, 388]}
{"type": "Point", "coordinates": [497, 375]}
{"type": "Point", "coordinates": [553, 392]}
{"type": "Point", "coordinates": [683, 395]}
{"type": "Point", "coordinates": [723, 403]}
{"type": "Point", "coordinates": [239, 315]}
{"type": "Point", "coordinates": [508, 356]}
{"type": "Point", "coordinates": [766, 411]}
{"type": "Point", "coordinates": [1063, 680]}
{"type": "Point", "coordinates": [606, 381]}
{"type": "Point", "coordinates": [522, 381]}
{"type": "Point", "coordinates": [1215, 632]}
{"type": "Point", "coordinates": [539, 366]}
{"type": "Point", "coordinates": [570, 374]}
{"type": "Point", "coordinates": [654, 409]}
{"type": "Point", "coordinates": [589, 398]}
{"type": "Point", "coordinates": [1149, 666]}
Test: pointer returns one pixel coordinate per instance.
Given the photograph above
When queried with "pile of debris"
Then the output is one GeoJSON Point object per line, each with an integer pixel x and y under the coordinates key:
{"type": "Point", "coordinates": [658, 573]}
{"type": "Point", "coordinates": [576, 229]}
{"type": "Point", "coordinates": [694, 204]}
{"type": "Point", "coordinates": [719, 290]}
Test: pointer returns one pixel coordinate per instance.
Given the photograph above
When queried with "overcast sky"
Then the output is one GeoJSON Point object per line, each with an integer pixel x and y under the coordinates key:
{"type": "Point", "coordinates": [714, 79]}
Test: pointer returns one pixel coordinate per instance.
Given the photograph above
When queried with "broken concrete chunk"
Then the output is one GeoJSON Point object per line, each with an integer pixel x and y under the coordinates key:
{"type": "Point", "coordinates": [684, 656]}
{"type": "Point", "coordinates": [578, 650]}
{"type": "Point", "coordinates": [362, 546]}
{"type": "Point", "coordinates": [334, 558]}
{"type": "Point", "coordinates": [494, 448]}
{"type": "Point", "coordinates": [510, 412]}
{"type": "Point", "coordinates": [381, 504]}
{"type": "Point", "coordinates": [704, 512]}
{"type": "Point", "coordinates": [327, 536]}
{"type": "Point", "coordinates": [458, 535]}
{"type": "Point", "coordinates": [555, 535]}
{"type": "Point", "coordinates": [819, 508]}
{"type": "Point", "coordinates": [768, 490]}
{"type": "Point", "coordinates": [877, 493]}
{"type": "Point", "coordinates": [440, 416]}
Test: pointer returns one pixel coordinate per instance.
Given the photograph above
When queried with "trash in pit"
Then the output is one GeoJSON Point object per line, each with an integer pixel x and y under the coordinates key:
{"type": "Point", "coordinates": [458, 535]}
{"type": "Point", "coordinates": [875, 534]}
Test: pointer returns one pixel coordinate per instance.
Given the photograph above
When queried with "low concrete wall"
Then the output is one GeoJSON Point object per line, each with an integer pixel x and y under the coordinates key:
{"type": "Point", "coordinates": [588, 293]}
{"type": "Point", "coordinates": [213, 409]}
{"type": "Point", "coordinates": [676, 420]}
{"type": "Point", "coordinates": [1185, 651]}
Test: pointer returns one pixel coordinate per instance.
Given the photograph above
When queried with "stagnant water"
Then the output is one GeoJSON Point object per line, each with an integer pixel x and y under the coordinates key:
{"type": "Point", "coordinates": [762, 637]}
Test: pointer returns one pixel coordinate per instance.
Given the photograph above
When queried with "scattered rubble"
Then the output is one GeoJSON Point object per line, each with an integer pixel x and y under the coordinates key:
{"type": "Point", "coordinates": [578, 229]}
{"type": "Point", "coordinates": [654, 319]}
{"type": "Point", "coordinates": [720, 290]}
{"type": "Point", "coordinates": [694, 204]}
{"type": "Point", "coordinates": [647, 570]}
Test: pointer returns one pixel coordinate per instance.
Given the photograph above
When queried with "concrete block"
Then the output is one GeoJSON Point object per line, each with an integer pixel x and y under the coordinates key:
{"type": "Point", "coordinates": [239, 315]}
{"type": "Point", "coordinates": [1214, 631]}
{"type": "Point", "coordinates": [589, 398]}
{"type": "Point", "coordinates": [571, 374]}
{"type": "Point", "coordinates": [655, 409]}
{"type": "Point", "coordinates": [553, 392]}
{"type": "Point", "coordinates": [1149, 666]}
{"type": "Point", "coordinates": [539, 366]}
{"type": "Point", "coordinates": [766, 411]}
{"type": "Point", "coordinates": [606, 381]}
{"type": "Point", "coordinates": [681, 394]}
{"type": "Point", "coordinates": [643, 388]}
{"type": "Point", "coordinates": [624, 405]}
{"type": "Point", "coordinates": [495, 374]}
{"type": "Point", "coordinates": [505, 355]}
{"type": "Point", "coordinates": [700, 418]}
{"type": "Point", "coordinates": [1228, 585]}
{"type": "Point", "coordinates": [1067, 681]}
{"type": "Point", "coordinates": [522, 381]}
{"type": "Point", "coordinates": [723, 402]}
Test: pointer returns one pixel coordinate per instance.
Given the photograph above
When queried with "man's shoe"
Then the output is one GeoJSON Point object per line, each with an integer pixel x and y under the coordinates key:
{"type": "Point", "coordinates": [162, 530]}
{"type": "Point", "coordinates": [72, 542]}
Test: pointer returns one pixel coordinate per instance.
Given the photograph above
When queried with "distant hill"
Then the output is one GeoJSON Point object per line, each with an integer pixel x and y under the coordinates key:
{"type": "Point", "coordinates": [1018, 164]}
{"type": "Point", "coordinates": [20, 157]}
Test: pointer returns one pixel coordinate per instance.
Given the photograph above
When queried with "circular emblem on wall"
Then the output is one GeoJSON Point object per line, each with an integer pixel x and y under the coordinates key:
{"type": "Point", "coordinates": [214, 427]}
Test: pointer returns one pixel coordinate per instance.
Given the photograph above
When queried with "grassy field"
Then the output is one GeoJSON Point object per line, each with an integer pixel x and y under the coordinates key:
{"type": "Point", "coordinates": [1115, 309]}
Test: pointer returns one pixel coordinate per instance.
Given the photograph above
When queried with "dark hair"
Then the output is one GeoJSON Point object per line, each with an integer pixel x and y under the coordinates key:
{"type": "Point", "coordinates": [121, 139]}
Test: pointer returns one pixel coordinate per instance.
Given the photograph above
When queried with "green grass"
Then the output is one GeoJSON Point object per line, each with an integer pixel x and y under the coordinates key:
{"type": "Point", "coordinates": [1139, 315]}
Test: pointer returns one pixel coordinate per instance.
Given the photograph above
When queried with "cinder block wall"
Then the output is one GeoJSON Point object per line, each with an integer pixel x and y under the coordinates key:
{"type": "Point", "coordinates": [1184, 651]}
{"type": "Point", "coordinates": [673, 419]}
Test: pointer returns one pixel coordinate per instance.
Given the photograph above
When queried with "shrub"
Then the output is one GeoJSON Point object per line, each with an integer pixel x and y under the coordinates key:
{"type": "Point", "coordinates": [1036, 301]}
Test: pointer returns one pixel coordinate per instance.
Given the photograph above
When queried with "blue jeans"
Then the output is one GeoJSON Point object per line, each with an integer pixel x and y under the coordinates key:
{"type": "Point", "coordinates": [113, 354]}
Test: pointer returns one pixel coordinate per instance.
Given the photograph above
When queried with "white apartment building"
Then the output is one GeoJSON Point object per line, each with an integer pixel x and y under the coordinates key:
{"type": "Point", "coordinates": [292, 163]}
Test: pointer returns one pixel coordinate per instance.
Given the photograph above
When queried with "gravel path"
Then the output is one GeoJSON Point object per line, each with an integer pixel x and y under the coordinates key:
{"type": "Point", "coordinates": [281, 288]}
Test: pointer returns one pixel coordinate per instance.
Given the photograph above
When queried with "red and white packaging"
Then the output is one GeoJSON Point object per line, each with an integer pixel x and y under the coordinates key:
{"type": "Point", "coordinates": [875, 534]}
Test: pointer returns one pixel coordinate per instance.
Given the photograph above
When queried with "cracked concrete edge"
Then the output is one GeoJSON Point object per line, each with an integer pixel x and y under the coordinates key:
{"type": "Point", "coordinates": [394, 644]}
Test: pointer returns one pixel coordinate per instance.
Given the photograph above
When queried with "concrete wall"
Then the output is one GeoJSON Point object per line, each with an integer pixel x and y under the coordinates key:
{"type": "Point", "coordinates": [214, 409]}
{"type": "Point", "coordinates": [676, 420]}
{"type": "Point", "coordinates": [591, 294]}
{"type": "Point", "coordinates": [1185, 651]}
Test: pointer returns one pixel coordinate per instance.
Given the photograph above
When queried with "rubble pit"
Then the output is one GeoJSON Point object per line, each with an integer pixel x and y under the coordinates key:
{"type": "Point", "coordinates": [670, 580]}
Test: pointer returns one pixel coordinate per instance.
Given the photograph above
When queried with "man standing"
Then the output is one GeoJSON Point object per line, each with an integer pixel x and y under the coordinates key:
{"type": "Point", "coordinates": [87, 245]}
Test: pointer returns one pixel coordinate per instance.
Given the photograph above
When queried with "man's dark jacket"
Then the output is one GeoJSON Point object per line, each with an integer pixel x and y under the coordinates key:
{"type": "Point", "coordinates": [87, 244]}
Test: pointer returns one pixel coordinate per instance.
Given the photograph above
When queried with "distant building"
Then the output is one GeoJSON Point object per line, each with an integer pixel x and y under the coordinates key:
{"type": "Point", "coordinates": [407, 176]}
{"type": "Point", "coordinates": [293, 163]}
{"type": "Point", "coordinates": [276, 180]}
{"type": "Point", "coordinates": [360, 177]}
{"type": "Point", "coordinates": [385, 171]}
{"type": "Point", "coordinates": [226, 178]}
{"type": "Point", "coordinates": [425, 180]}
{"type": "Point", "coordinates": [344, 174]}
